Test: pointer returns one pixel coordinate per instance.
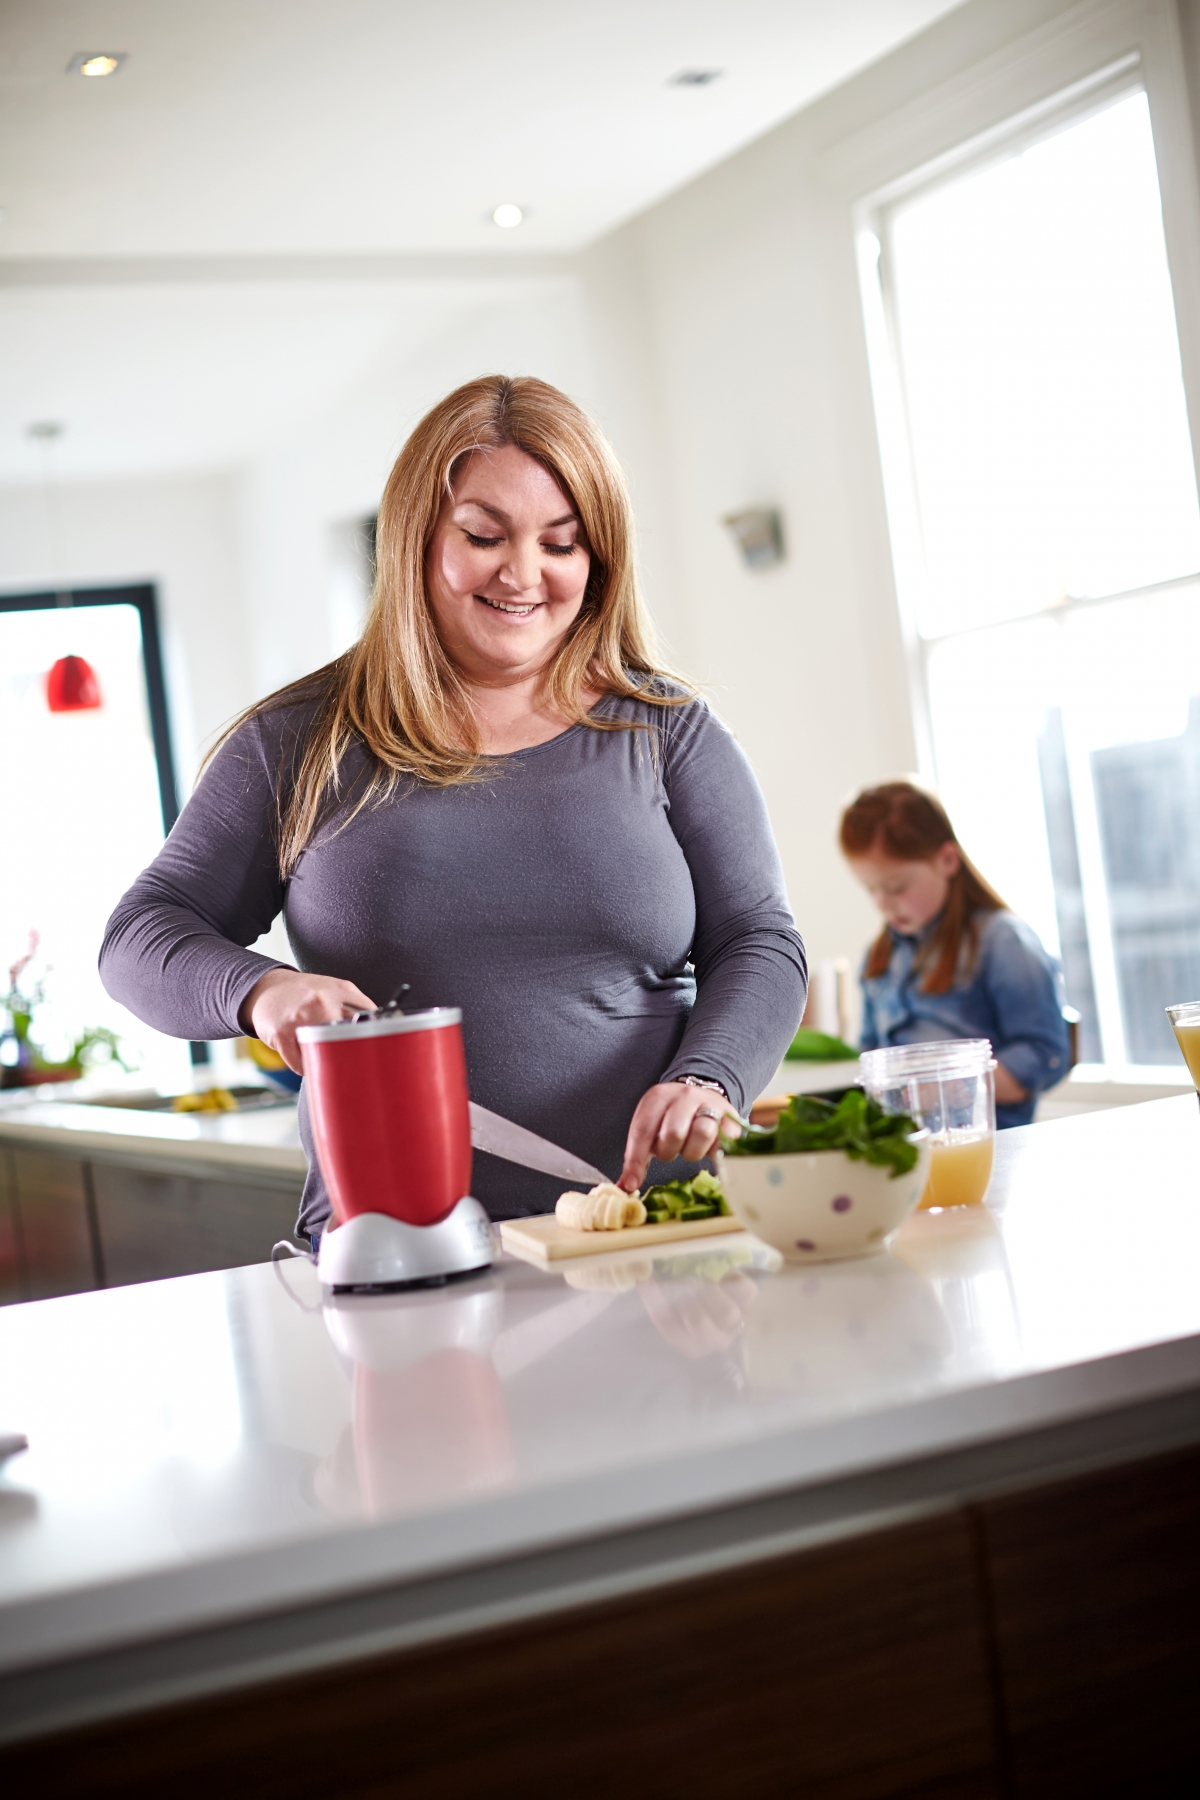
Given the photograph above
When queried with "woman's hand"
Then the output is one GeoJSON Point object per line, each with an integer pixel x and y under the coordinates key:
{"type": "Point", "coordinates": [284, 999]}
{"type": "Point", "coordinates": [673, 1120]}
{"type": "Point", "coordinates": [698, 1318]}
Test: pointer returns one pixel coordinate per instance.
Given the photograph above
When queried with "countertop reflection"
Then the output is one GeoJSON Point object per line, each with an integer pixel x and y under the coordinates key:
{"type": "Point", "coordinates": [179, 1424]}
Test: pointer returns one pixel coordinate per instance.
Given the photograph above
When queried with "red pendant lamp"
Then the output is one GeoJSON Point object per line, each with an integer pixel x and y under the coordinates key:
{"type": "Point", "coordinates": [71, 686]}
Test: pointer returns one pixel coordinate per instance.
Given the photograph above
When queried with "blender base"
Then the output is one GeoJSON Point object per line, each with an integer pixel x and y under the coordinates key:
{"type": "Point", "coordinates": [374, 1253]}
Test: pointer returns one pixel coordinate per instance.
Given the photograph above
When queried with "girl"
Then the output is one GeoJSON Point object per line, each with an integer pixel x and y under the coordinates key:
{"type": "Point", "coordinates": [951, 961]}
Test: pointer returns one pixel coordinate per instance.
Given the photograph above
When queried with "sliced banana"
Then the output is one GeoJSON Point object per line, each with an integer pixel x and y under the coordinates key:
{"type": "Point", "coordinates": [605, 1207]}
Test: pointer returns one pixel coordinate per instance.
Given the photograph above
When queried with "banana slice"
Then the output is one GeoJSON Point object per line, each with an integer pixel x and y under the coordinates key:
{"type": "Point", "coordinates": [605, 1208]}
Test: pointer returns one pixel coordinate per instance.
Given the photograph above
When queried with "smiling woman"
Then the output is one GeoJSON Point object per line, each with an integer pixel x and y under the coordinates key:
{"type": "Point", "coordinates": [507, 572]}
{"type": "Point", "coordinates": [499, 797]}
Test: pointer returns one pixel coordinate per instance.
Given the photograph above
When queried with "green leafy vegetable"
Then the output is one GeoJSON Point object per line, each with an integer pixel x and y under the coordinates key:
{"type": "Point", "coordinates": [713, 1267]}
{"type": "Point", "coordinates": [699, 1198]}
{"type": "Point", "coordinates": [856, 1125]}
{"type": "Point", "coordinates": [817, 1046]}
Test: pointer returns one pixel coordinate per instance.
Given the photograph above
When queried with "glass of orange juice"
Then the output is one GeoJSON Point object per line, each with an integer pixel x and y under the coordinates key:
{"type": "Point", "coordinates": [950, 1088]}
{"type": "Point", "coordinates": [1185, 1022]}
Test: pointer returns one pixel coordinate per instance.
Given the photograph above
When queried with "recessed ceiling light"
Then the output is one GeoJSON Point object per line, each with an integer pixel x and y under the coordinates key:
{"type": "Point", "coordinates": [94, 63]}
{"type": "Point", "coordinates": [507, 216]}
{"type": "Point", "coordinates": [695, 77]}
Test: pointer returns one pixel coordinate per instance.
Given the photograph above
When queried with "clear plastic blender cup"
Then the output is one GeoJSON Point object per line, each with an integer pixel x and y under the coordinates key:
{"type": "Point", "coordinates": [1185, 1022]}
{"type": "Point", "coordinates": [950, 1088]}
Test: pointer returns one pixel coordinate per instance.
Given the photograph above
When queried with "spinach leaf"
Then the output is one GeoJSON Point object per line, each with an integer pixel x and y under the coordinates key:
{"type": "Point", "coordinates": [857, 1125]}
{"type": "Point", "coordinates": [817, 1046]}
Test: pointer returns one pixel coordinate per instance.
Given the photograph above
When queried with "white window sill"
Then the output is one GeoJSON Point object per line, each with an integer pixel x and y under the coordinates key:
{"type": "Point", "coordinates": [1092, 1087]}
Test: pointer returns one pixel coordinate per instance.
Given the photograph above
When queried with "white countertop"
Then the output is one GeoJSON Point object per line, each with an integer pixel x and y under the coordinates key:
{"type": "Point", "coordinates": [268, 1143]}
{"type": "Point", "coordinates": [213, 1451]}
{"type": "Point", "coordinates": [265, 1142]}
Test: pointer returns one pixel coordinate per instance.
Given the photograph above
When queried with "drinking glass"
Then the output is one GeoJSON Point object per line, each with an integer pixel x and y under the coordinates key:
{"type": "Point", "coordinates": [1185, 1022]}
{"type": "Point", "coordinates": [950, 1089]}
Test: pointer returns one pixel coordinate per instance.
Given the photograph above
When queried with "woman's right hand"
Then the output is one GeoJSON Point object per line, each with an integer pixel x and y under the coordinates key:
{"type": "Point", "coordinates": [282, 999]}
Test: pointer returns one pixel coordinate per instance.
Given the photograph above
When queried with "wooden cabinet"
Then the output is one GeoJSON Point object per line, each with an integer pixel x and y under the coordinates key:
{"type": "Point", "coordinates": [1095, 1602]}
{"type": "Point", "coordinates": [67, 1224]}
{"type": "Point", "coordinates": [1046, 1643]}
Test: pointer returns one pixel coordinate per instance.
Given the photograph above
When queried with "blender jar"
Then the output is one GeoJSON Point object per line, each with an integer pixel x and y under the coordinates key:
{"type": "Point", "coordinates": [950, 1089]}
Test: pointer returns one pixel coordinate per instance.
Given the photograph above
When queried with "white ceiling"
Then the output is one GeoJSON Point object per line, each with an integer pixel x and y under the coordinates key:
{"type": "Point", "coordinates": [162, 379]}
{"type": "Point", "coordinates": [324, 131]}
{"type": "Point", "coordinates": [324, 126]}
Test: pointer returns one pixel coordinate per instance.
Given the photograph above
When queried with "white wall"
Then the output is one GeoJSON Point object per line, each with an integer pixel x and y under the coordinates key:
{"type": "Point", "coordinates": [335, 467]}
{"type": "Point", "coordinates": [735, 304]}
{"type": "Point", "coordinates": [718, 339]}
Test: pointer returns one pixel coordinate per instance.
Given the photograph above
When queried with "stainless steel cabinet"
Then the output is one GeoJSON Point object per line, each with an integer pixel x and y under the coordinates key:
{"type": "Point", "coordinates": [151, 1226]}
{"type": "Point", "coordinates": [67, 1224]}
{"type": "Point", "coordinates": [11, 1261]}
{"type": "Point", "coordinates": [55, 1224]}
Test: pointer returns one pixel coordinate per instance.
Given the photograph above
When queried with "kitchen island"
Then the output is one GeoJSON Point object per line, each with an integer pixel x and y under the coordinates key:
{"type": "Point", "coordinates": [682, 1522]}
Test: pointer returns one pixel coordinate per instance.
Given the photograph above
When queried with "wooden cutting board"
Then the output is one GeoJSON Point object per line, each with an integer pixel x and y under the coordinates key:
{"type": "Point", "coordinates": [542, 1239]}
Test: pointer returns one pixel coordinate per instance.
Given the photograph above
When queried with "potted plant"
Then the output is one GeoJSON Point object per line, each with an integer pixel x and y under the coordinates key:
{"type": "Point", "coordinates": [22, 1062]}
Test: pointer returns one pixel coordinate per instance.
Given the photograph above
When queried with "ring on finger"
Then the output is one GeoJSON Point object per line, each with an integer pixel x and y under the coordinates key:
{"type": "Point", "coordinates": [706, 1112]}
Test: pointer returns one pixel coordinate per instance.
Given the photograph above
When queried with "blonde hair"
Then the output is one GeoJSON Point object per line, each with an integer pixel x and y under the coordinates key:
{"type": "Point", "coordinates": [396, 692]}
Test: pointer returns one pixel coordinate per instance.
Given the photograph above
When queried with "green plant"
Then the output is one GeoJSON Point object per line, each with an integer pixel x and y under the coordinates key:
{"type": "Point", "coordinates": [95, 1043]}
{"type": "Point", "coordinates": [817, 1046]}
{"type": "Point", "coordinates": [20, 1007]}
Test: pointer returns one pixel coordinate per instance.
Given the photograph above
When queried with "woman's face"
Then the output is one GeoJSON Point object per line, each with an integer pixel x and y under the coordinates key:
{"type": "Point", "coordinates": [910, 895]}
{"type": "Point", "coordinates": [506, 567]}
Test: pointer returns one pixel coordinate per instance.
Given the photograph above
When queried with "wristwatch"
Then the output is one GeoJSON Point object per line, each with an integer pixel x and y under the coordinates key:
{"type": "Point", "coordinates": [699, 1081]}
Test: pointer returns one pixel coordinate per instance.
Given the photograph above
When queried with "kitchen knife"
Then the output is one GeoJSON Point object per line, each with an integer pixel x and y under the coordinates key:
{"type": "Point", "coordinates": [500, 1137]}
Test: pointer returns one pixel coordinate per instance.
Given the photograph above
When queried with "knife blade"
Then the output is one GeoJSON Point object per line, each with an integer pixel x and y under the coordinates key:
{"type": "Point", "coordinates": [500, 1137]}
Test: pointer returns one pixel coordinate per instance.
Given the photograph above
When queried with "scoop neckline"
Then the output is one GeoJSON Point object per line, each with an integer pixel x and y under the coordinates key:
{"type": "Point", "coordinates": [547, 743]}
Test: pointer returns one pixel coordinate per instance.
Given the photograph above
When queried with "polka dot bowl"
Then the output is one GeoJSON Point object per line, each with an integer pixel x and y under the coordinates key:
{"type": "Point", "coordinates": [821, 1206]}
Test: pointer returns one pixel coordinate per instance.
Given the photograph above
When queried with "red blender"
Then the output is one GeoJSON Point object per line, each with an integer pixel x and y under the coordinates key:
{"type": "Point", "coordinates": [387, 1095]}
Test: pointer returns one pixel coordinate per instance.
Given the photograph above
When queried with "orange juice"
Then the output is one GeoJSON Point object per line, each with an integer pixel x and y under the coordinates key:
{"type": "Point", "coordinates": [1189, 1043]}
{"type": "Point", "coordinates": [960, 1170]}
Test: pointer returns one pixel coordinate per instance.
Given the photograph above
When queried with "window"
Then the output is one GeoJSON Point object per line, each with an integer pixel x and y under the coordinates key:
{"type": "Point", "coordinates": [1048, 546]}
{"type": "Point", "coordinates": [87, 800]}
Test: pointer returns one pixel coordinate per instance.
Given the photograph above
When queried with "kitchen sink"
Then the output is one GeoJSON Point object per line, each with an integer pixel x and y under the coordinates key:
{"type": "Point", "coordinates": [249, 1099]}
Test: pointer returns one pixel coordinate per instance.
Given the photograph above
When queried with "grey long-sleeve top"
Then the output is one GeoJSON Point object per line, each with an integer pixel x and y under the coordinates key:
{"type": "Point", "coordinates": [607, 908]}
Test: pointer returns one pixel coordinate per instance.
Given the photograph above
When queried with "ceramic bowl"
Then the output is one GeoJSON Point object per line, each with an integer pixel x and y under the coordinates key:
{"type": "Point", "coordinates": [819, 1206]}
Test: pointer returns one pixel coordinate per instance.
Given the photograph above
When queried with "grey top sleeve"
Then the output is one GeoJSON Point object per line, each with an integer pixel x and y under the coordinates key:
{"type": "Point", "coordinates": [174, 950]}
{"type": "Point", "coordinates": [751, 969]}
{"type": "Point", "coordinates": [175, 953]}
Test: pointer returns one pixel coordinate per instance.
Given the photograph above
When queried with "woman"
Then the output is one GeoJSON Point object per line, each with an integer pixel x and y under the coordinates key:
{"type": "Point", "coordinates": [952, 961]}
{"type": "Point", "coordinates": [499, 798]}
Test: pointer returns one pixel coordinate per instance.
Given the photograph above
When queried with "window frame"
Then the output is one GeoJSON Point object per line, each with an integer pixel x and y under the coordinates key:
{"type": "Point", "coordinates": [144, 599]}
{"type": "Point", "coordinates": [1045, 81]}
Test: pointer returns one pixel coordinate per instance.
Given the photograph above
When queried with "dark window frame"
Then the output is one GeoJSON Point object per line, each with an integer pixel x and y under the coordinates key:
{"type": "Point", "coordinates": [144, 599]}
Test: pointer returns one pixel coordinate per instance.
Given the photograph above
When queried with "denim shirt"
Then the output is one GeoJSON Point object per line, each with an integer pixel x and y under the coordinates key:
{"type": "Point", "coordinates": [1012, 995]}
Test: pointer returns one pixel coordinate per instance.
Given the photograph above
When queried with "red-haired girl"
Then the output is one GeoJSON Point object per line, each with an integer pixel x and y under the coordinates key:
{"type": "Point", "coordinates": [951, 961]}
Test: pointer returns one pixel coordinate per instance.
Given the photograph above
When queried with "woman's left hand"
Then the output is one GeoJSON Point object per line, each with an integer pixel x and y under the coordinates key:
{"type": "Point", "coordinates": [673, 1120]}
